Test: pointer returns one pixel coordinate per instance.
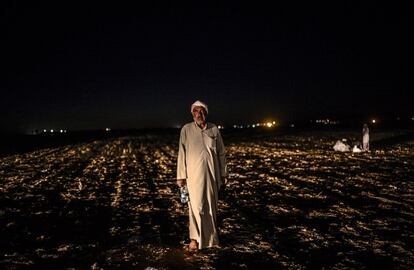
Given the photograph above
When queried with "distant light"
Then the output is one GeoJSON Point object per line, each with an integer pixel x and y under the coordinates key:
{"type": "Point", "coordinates": [61, 131]}
{"type": "Point", "coordinates": [269, 124]}
{"type": "Point", "coordinates": [107, 129]}
{"type": "Point", "coordinates": [65, 130]}
{"type": "Point", "coordinates": [374, 121]}
{"type": "Point", "coordinates": [51, 131]}
{"type": "Point", "coordinates": [45, 130]}
{"type": "Point", "coordinates": [220, 127]}
{"type": "Point", "coordinates": [234, 126]}
{"type": "Point", "coordinates": [255, 125]}
{"type": "Point", "coordinates": [412, 118]}
{"type": "Point", "coordinates": [292, 125]}
{"type": "Point", "coordinates": [274, 122]}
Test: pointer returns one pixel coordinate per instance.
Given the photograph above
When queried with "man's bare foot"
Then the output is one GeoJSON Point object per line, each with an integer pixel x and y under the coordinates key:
{"type": "Point", "coordinates": [193, 246]}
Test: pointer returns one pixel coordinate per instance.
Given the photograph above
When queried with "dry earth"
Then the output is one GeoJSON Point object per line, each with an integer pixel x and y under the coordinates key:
{"type": "Point", "coordinates": [291, 203]}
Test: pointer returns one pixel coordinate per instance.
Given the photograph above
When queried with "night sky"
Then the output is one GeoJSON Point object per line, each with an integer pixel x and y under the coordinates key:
{"type": "Point", "coordinates": [92, 66]}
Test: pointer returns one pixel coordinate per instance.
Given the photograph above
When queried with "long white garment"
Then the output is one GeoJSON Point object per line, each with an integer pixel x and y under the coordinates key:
{"type": "Point", "coordinates": [365, 138]}
{"type": "Point", "coordinates": [202, 161]}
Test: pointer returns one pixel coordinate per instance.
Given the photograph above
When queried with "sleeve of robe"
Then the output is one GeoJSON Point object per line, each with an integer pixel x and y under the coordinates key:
{"type": "Point", "coordinates": [222, 156]}
{"type": "Point", "coordinates": [181, 163]}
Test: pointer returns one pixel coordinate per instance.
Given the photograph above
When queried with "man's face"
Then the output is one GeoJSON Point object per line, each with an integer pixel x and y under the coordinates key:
{"type": "Point", "coordinates": [199, 115]}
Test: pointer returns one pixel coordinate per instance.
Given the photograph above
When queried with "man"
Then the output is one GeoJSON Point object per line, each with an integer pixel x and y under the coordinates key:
{"type": "Point", "coordinates": [365, 138]}
{"type": "Point", "coordinates": [202, 167]}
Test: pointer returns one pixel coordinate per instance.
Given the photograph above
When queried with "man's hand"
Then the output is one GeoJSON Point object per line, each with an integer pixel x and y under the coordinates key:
{"type": "Point", "coordinates": [224, 181]}
{"type": "Point", "coordinates": [181, 182]}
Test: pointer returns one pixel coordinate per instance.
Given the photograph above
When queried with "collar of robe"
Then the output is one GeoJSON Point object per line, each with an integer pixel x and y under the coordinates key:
{"type": "Point", "coordinates": [205, 126]}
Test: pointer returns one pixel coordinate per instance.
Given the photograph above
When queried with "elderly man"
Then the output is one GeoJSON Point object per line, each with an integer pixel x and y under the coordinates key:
{"type": "Point", "coordinates": [202, 167]}
{"type": "Point", "coordinates": [365, 138]}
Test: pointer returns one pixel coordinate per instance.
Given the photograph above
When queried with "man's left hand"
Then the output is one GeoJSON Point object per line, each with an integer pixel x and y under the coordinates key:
{"type": "Point", "coordinates": [224, 181]}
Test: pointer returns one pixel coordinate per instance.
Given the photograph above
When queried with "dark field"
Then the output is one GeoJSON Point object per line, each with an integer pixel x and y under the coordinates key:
{"type": "Point", "coordinates": [291, 203]}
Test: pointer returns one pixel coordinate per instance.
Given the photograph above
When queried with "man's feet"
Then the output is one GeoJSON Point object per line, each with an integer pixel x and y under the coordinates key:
{"type": "Point", "coordinates": [192, 247]}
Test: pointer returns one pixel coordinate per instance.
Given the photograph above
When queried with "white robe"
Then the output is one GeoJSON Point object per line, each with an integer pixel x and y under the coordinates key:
{"type": "Point", "coordinates": [365, 139]}
{"type": "Point", "coordinates": [202, 162]}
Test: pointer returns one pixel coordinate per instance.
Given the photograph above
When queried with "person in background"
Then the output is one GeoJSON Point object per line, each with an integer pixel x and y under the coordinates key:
{"type": "Point", "coordinates": [202, 166]}
{"type": "Point", "coordinates": [365, 138]}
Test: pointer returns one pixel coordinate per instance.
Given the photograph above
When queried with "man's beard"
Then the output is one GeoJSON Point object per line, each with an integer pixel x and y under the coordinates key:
{"type": "Point", "coordinates": [199, 121]}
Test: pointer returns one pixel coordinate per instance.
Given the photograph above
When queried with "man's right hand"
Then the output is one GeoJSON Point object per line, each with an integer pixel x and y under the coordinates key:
{"type": "Point", "coordinates": [181, 182]}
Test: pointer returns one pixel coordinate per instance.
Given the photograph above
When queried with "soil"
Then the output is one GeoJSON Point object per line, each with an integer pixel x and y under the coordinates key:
{"type": "Point", "coordinates": [291, 203]}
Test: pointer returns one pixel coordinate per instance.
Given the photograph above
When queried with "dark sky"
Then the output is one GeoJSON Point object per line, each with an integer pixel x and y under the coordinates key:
{"type": "Point", "coordinates": [111, 65]}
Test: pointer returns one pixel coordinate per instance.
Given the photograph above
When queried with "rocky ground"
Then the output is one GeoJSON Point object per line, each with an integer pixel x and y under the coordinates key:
{"type": "Point", "coordinates": [291, 203]}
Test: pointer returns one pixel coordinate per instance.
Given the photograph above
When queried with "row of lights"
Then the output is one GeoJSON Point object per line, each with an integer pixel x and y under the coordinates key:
{"type": "Point", "coordinates": [54, 131]}
{"type": "Point", "coordinates": [331, 122]}
{"type": "Point", "coordinates": [318, 121]}
{"type": "Point", "coordinates": [64, 130]}
{"type": "Point", "coordinates": [326, 122]}
{"type": "Point", "coordinates": [265, 124]}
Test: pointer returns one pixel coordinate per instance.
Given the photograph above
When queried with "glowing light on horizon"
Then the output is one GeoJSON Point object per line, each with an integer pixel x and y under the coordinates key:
{"type": "Point", "coordinates": [268, 124]}
{"type": "Point", "coordinates": [326, 121]}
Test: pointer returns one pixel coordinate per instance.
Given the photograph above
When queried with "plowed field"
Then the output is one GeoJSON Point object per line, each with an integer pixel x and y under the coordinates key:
{"type": "Point", "coordinates": [291, 203]}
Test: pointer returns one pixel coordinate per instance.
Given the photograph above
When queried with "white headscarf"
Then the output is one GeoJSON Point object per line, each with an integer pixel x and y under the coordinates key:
{"type": "Point", "coordinates": [199, 103]}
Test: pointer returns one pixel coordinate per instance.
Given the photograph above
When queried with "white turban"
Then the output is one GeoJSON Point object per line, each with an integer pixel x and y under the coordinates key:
{"type": "Point", "coordinates": [199, 103]}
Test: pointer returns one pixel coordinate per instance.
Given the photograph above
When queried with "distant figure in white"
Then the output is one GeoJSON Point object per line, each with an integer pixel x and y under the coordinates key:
{"type": "Point", "coordinates": [202, 167]}
{"type": "Point", "coordinates": [365, 138]}
{"type": "Point", "coordinates": [341, 146]}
